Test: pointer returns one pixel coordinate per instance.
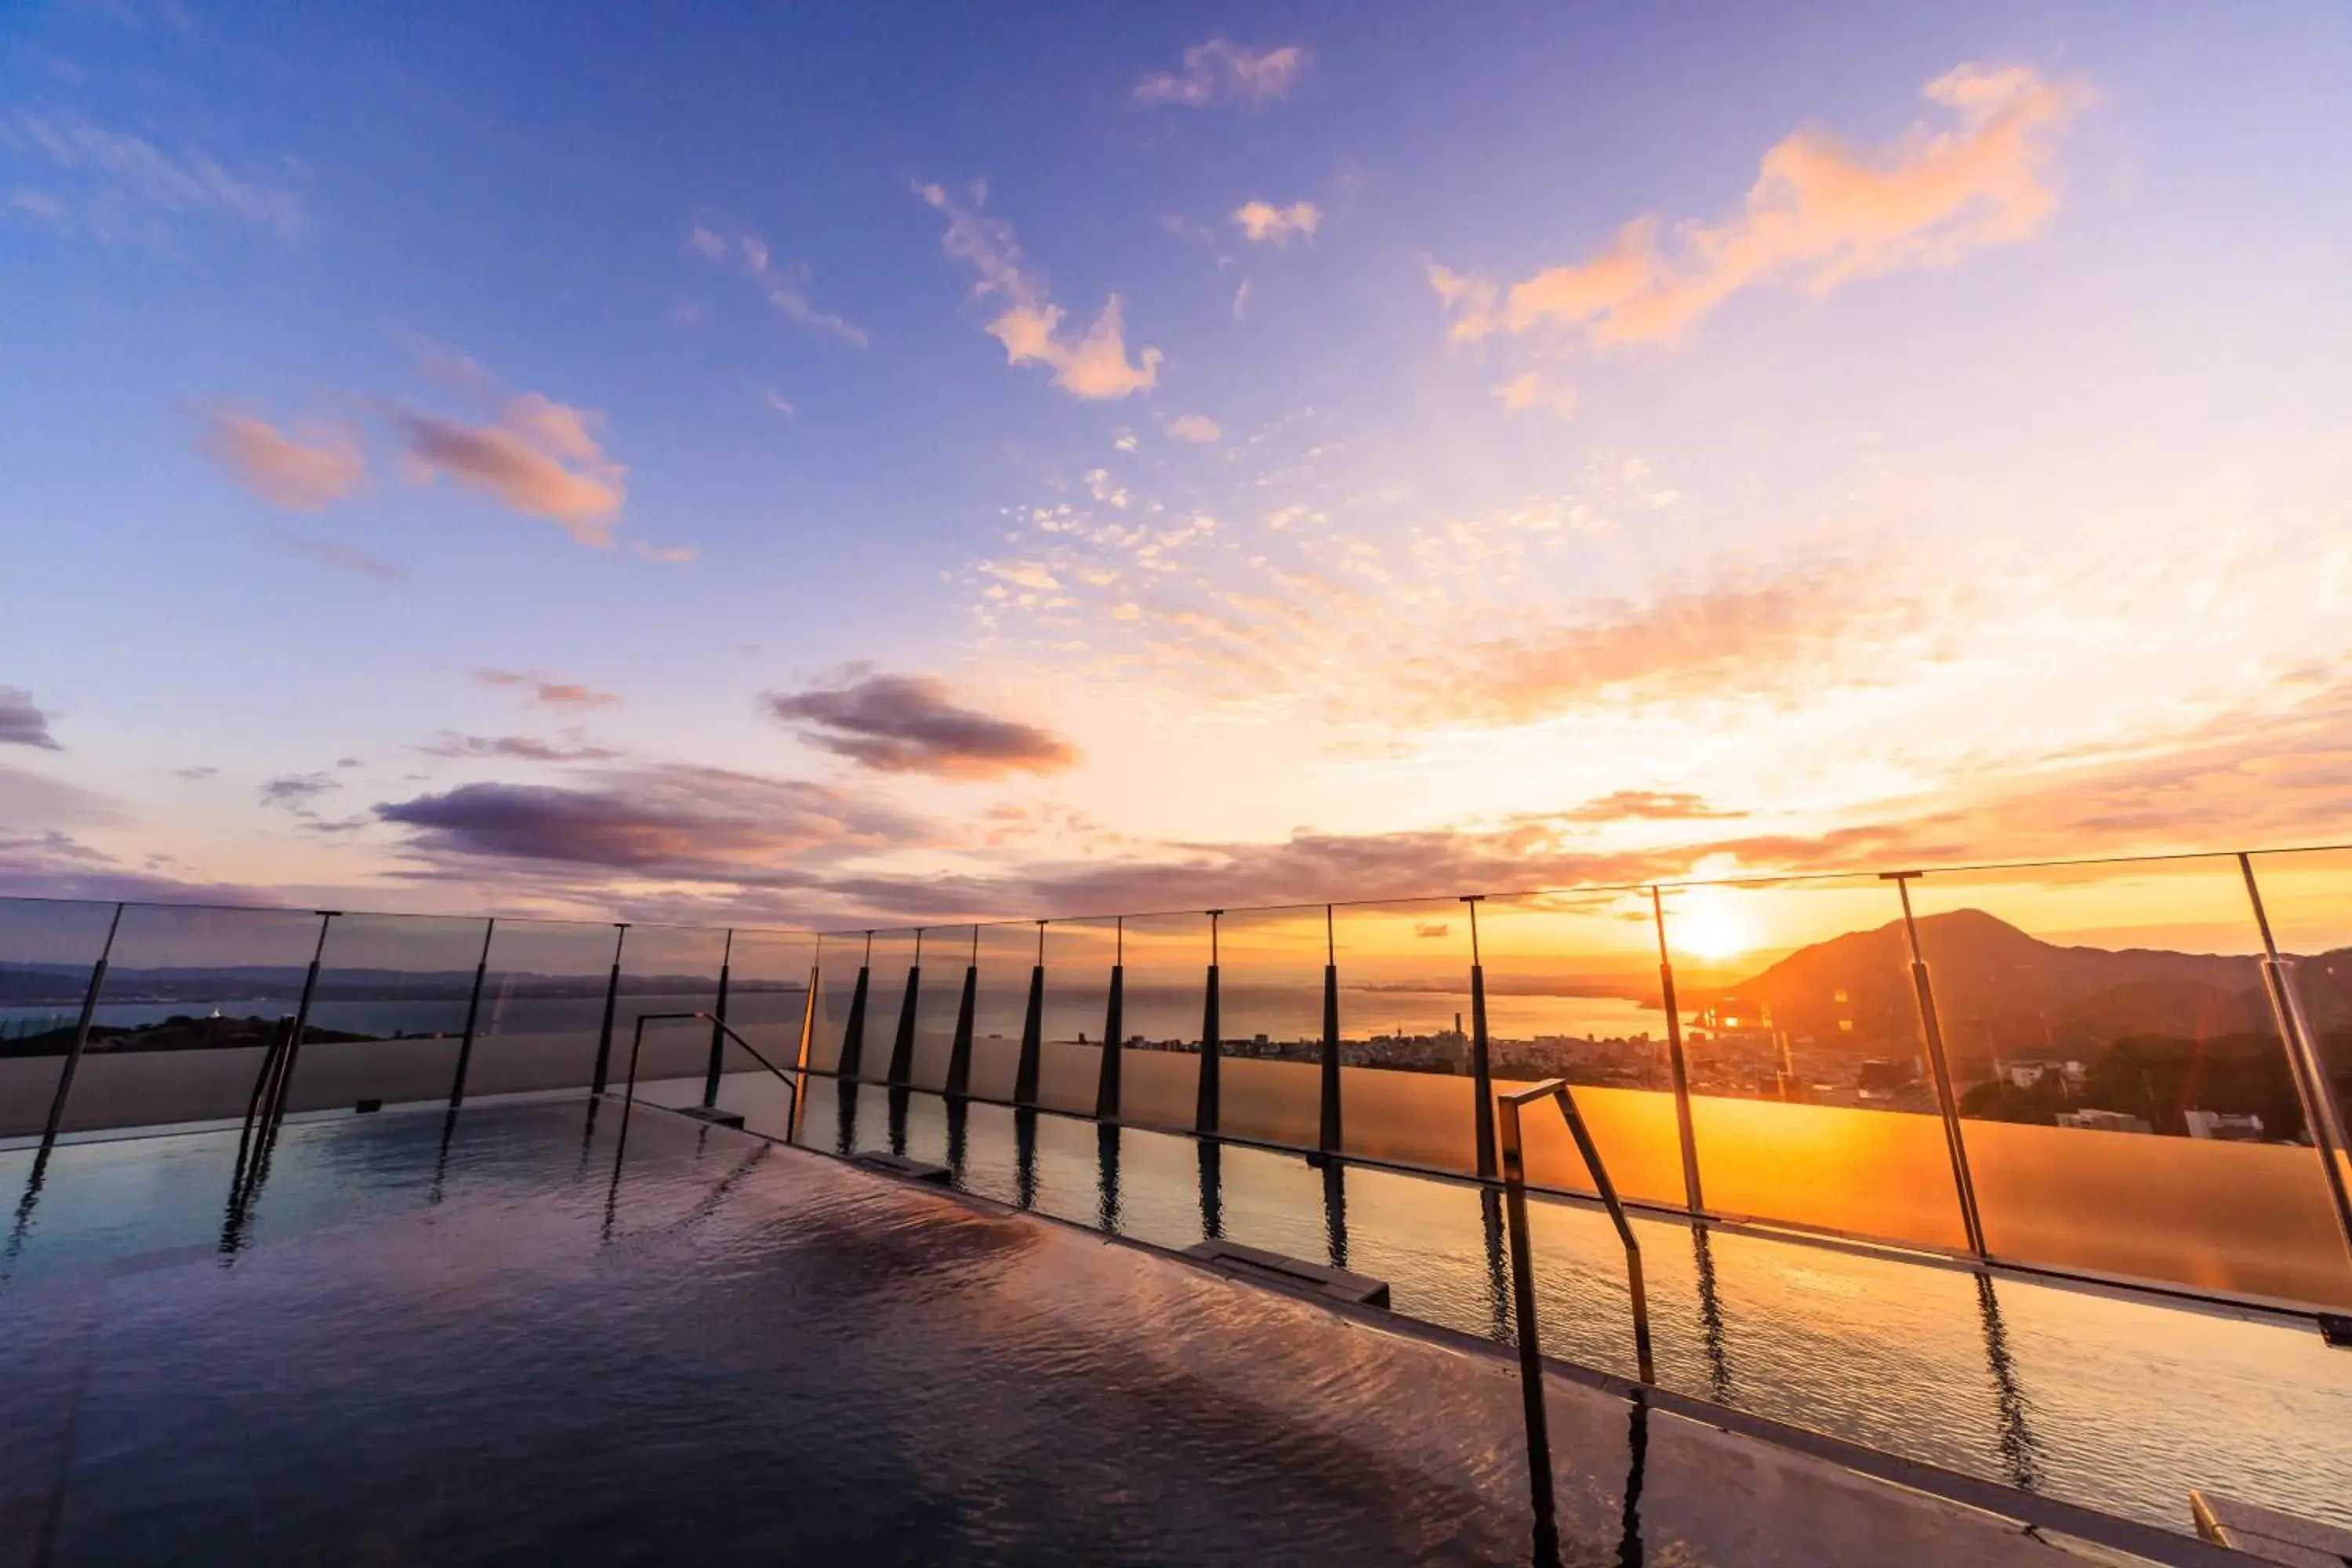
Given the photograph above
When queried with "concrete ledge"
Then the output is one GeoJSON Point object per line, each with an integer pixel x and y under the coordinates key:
{"type": "Point", "coordinates": [905, 1169]}
{"type": "Point", "coordinates": [1291, 1274]}
{"type": "Point", "coordinates": [2285, 1538]}
{"type": "Point", "coordinates": [711, 1114]}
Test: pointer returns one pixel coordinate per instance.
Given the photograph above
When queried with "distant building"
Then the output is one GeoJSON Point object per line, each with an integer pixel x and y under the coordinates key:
{"type": "Point", "coordinates": [2224, 1126]}
{"type": "Point", "coordinates": [2103, 1121]}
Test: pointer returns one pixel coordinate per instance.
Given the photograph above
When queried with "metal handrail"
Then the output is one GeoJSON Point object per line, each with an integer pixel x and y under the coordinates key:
{"type": "Point", "coordinates": [637, 1043]}
{"type": "Point", "coordinates": [1523, 1288]}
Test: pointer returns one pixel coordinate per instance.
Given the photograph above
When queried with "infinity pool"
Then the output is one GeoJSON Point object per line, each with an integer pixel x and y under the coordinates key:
{"type": "Point", "coordinates": [492, 1341]}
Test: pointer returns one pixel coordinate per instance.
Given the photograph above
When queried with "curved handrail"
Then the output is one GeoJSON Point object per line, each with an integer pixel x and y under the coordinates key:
{"type": "Point", "coordinates": [637, 1043]}
{"type": "Point", "coordinates": [1523, 1286]}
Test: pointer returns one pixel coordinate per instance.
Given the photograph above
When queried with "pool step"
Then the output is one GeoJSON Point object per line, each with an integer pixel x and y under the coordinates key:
{"type": "Point", "coordinates": [1292, 1274]}
{"type": "Point", "coordinates": [907, 1170]}
{"type": "Point", "coordinates": [2266, 1533]}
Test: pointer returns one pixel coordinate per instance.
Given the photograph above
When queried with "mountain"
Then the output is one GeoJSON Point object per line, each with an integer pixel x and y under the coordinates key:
{"type": "Point", "coordinates": [2001, 992]}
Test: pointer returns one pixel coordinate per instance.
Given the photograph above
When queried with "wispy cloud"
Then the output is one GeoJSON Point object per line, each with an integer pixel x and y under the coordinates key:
{"type": "Point", "coordinates": [307, 470]}
{"type": "Point", "coordinates": [523, 748]}
{"type": "Point", "coordinates": [546, 690]}
{"type": "Point", "coordinates": [127, 187]}
{"type": "Point", "coordinates": [1271, 224]}
{"type": "Point", "coordinates": [1095, 366]}
{"type": "Point", "coordinates": [22, 723]}
{"type": "Point", "coordinates": [786, 288]}
{"type": "Point", "coordinates": [295, 792]}
{"type": "Point", "coordinates": [1195, 427]}
{"type": "Point", "coordinates": [1534, 389]}
{"type": "Point", "coordinates": [1224, 71]}
{"type": "Point", "coordinates": [910, 724]}
{"type": "Point", "coordinates": [1820, 214]}
{"type": "Point", "coordinates": [539, 458]}
{"type": "Point", "coordinates": [339, 556]}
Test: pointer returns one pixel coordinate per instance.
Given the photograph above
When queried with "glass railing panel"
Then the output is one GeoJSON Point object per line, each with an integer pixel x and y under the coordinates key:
{"type": "Point", "coordinates": [1008, 956]}
{"type": "Point", "coordinates": [1270, 1020]}
{"type": "Point", "coordinates": [1078, 958]}
{"type": "Point", "coordinates": [193, 998]}
{"type": "Point", "coordinates": [48, 950]}
{"type": "Point", "coordinates": [1572, 992]}
{"type": "Point", "coordinates": [544, 1007]}
{"type": "Point", "coordinates": [2308, 894]}
{"type": "Point", "coordinates": [1167, 975]}
{"type": "Point", "coordinates": [1404, 1044]}
{"type": "Point", "coordinates": [390, 1013]}
{"type": "Point", "coordinates": [667, 969]}
{"type": "Point", "coordinates": [767, 992]}
{"type": "Point", "coordinates": [895, 955]}
{"type": "Point", "coordinates": [2130, 1107]}
{"type": "Point", "coordinates": [1810, 1101]}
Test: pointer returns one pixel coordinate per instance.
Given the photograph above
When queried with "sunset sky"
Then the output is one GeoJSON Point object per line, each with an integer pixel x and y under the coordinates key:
{"type": "Point", "coordinates": [882, 461]}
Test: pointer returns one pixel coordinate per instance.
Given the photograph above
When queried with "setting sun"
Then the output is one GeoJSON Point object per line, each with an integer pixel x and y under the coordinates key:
{"type": "Point", "coordinates": [1707, 925]}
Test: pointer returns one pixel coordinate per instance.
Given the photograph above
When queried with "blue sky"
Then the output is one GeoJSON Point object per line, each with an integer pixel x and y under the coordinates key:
{"type": "Point", "coordinates": [810, 460]}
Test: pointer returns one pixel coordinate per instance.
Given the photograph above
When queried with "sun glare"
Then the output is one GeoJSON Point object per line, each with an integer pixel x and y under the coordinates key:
{"type": "Point", "coordinates": [1705, 925]}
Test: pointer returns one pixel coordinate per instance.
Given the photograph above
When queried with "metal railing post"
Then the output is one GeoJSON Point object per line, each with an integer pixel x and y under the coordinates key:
{"type": "Point", "coordinates": [959, 1079]}
{"type": "Point", "coordinates": [1677, 1063]}
{"type": "Point", "coordinates": [902, 1044]}
{"type": "Point", "coordinates": [1535, 1417]}
{"type": "Point", "coordinates": [800, 1063]}
{"type": "Point", "coordinates": [1482, 1069]}
{"type": "Point", "coordinates": [1946, 1101]}
{"type": "Point", "coordinates": [473, 1018]}
{"type": "Point", "coordinates": [1208, 1105]}
{"type": "Point", "coordinates": [301, 1024]}
{"type": "Point", "coordinates": [853, 1032]}
{"type": "Point", "coordinates": [1106, 1082]}
{"type": "Point", "coordinates": [2321, 1113]}
{"type": "Point", "coordinates": [1328, 1133]}
{"type": "Point", "coordinates": [717, 1035]}
{"type": "Point", "coordinates": [81, 1035]}
{"type": "Point", "coordinates": [1033, 1029]}
{"type": "Point", "coordinates": [612, 1004]}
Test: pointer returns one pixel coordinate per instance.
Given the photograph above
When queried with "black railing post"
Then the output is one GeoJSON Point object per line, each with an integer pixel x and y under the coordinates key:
{"type": "Point", "coordinates": [1208, 1105]}
{"type": "Point", "coordinates": [902, 1047]}
{"type": "Point", "coordinates": [1932, 1031]}
{"type": "Point", "coordinates": [2322, 1116]}
{"type": "Point", "coordinates": [473, 1018]}
{"type": "Point", "coordinates": [1328, 1131]}
{"type": "Point", "coordinates": [1033, 1030]}
{"type": "Point", "coordinates": [611, 1007]}
{"type": "Point", "coordinates": [1677, 1062]}
{"type": "Point", "coordinates": [958, 1080]}
{"type": "Point", "coordinates": [81, 1035]}
{"type": "Point", "coordinates": [301, 1024]}
{"type": "Point", "coordinates": [853, 1032]}
{"type": "Point", "coordinates": [1482, 1067]}
{"type": "Point", "coordinates": [717, 1031]}
{"type": "Point", "coordinates": [1107, 1084]}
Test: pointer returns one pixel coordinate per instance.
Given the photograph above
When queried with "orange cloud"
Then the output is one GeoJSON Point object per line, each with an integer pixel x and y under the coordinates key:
{"type": "Point", "coordinates": [1819, 214]}
{"type": "Point", "coordinates": [304, 472]}
{"type": "Point", "coordinates": [1097, 367]}
{"type": "Point", "coordinates": [1264, 221]}
{"type": "Point", "coordinates": [539, 458]}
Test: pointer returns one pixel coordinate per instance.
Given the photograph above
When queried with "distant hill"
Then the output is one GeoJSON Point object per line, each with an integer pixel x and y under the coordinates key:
{"type": "Point", "coordinates": [2002, 993]}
